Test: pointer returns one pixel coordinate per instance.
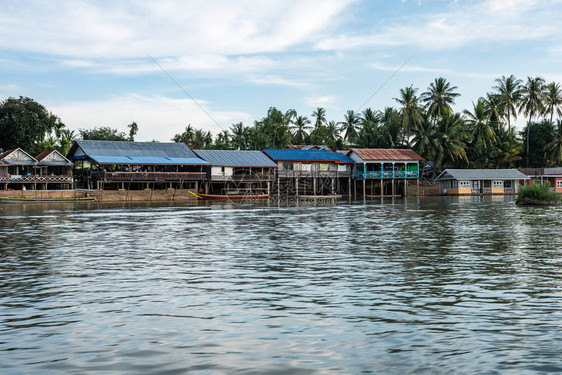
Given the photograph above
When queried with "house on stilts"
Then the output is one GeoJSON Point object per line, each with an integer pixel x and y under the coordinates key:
{"type": "Point", "coordinates": [384, 172]}
{"type": "Point", "coordinates": [238, 172]}
{"type": "Point", "coordinates": [311, 172]}
{"type": "Point", "coordinates": [113, 165]}
{"type": "Point", "coordinates": [50, 170]}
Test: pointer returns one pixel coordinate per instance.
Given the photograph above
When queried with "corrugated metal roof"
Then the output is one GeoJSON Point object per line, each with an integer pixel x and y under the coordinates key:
{"type": "Point", "coordinates": [232, 158]}
{"type": "Point", "coordinates": [386, 154]}
{"type": "Point", "coordinates": [537, 172]}
{"type": "Point", "coordinates": [115, 152]}
{"type": "Point", "coordinates": [307, 155]}
{"type": "Point", "coordinates": [62, 161]}
{"type": "Point", "coordinates": [481, 174]}
{"type": "Point", "coordinates": [145, 160]}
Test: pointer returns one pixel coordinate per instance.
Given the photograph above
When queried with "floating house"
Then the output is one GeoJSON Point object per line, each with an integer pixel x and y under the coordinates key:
{"type": "Point", "coordinates": [136, 165]}
{"type": "Point", "coordinates": [20, 171]}
{"type": "Point", "coordinates": [311, 172]}
{"type": "Point", "coordinates": [238, 172]}
{"type": "Point", "coordinates": [552, 175]}
{"type": "Point", "coordinates": [480, 181]}
{"type": "Point", "coordinates": [384, 172]}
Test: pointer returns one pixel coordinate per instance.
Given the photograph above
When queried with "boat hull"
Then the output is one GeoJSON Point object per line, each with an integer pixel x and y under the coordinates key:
{"type": "Point", "coordinates": [43, 200]}
{"type": "Point", "coordinates": [231, 197]}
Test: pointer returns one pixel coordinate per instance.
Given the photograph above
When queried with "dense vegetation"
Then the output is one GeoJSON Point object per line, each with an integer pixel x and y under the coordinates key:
{"type": "Point", "coordinates": [480, 137]}
{"type": "Point", "coordinates": [537, 192]}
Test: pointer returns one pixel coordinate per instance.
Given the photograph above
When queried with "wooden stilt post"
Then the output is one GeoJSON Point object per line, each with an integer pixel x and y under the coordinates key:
{"type": "Point", "coordinates": [393, 190]}
{"type": "Point", "coordinates": [297, 186]}
{"type": "Point", "coordinates": [364, 189]}
{"type": "Point", "coordinates": [405, 187]}
{"type": "Point", "coordinates": [382, 188]}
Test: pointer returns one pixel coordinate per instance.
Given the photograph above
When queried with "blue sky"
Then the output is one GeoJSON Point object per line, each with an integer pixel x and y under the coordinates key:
{"type": "Point", "coordinates": [89, 61]}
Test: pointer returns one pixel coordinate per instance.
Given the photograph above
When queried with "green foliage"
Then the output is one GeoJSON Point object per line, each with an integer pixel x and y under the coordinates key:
{"type": "Point", "coordinates": [103, 133]}
{"type": "Point", "coordinates": [24, 123]}
{"type": "Point", "coordinates": [537, 191]}
{"type": "Point", "coordinates": [537, 136]}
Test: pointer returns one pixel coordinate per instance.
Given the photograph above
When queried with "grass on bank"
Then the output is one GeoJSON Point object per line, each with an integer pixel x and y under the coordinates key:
{"type": "Point", "coordinates": [537, 192]}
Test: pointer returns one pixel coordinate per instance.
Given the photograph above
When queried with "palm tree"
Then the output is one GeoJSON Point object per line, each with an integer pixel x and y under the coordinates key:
{"type": "Point", "coordinates": [439, 98]}
{"type": "Point", "coordinates": [531, 102]}
{"type": "Point", "coordinates": [552, 99]}
{"type": "Point", "coordinates": [349, 126]}
{"type": "Point", "coordinates": [238, 139]}
{"type": "Point", "coordinates": [555, 146]}
{"type": "Point", "coordinates": [451, 140]}
{"type": "Point", "coordinates": [410, 111]}
{"type": "Point", "coordinates": [510, 91]}
{"type": "Point", "coordinates": [320, 114]}
{"type": "Point", "coordinates": [479, 121]}
{"type": "Point", "coordinates": [300, 125]}
{"type": "Point", "coordinates": [425, 141]}
{"type": "Point", "coordinates": [494, 107]}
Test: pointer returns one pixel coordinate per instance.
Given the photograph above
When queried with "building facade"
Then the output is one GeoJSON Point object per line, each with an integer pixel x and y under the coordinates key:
{"type": "Point", "coordinates": [113, 165]}
{"type": "Point", "coordinates": [384, 172]}
{"type": "Point", "coordinates": [480, 181]}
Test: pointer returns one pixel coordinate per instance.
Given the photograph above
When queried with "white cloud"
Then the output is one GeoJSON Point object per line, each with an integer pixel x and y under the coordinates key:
{"type": "Point", "coordinates": [461, 24]}
{"type": "Point", "coordinates": [135, 28]}
{"type": "Point", "coordinates": [441, 71]}
{"type": "Point", "coordinates": [158, 117]}
{"type": "Point", "coordinates": [275, 81]}
{"type": "Point", "coordinates": [321, 101]}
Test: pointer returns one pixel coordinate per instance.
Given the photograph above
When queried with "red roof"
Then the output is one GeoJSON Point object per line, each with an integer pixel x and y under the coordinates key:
{"type": "Point", "coordinates": [43, 155]}
{"type": "Point", "coordinates": [6, 153]}
{"type": "Point", "coordinates": [386, 154]}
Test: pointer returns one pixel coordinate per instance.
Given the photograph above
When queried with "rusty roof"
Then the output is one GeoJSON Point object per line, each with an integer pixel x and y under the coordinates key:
{"type": "Point", "coordinates": [386, 154]}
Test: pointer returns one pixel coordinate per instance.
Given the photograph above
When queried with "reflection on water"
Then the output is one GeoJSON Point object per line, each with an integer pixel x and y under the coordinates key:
{"type": "Point", "coordinates": [437, 285]}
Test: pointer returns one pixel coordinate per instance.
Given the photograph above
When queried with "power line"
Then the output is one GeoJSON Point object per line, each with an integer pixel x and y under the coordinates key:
{"type": "Point", "coordinates": [385, 82]}
{"type": "Point", "coordinates": [186, 93]}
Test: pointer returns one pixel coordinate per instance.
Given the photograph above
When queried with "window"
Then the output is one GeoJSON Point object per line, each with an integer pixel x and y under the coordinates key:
{"type": "Point", "coordinates": [306, 167]}
{"type": "Point", "coordinates": [464, 184]}
{"type": "Point", "coordinates": [324, 167]}
{"type": "Point", "coordinates": [342, 168]}
{"type": "Point", "coordinates": [288, 166]}
{"type": "Point", "coordinates": [559, 184]}
{"type": "Point", "coordinates": [497, 184]}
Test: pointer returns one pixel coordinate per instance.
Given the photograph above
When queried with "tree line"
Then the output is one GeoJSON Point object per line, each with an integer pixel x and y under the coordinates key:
{"type": "Point", "coordinates": [480, 137]}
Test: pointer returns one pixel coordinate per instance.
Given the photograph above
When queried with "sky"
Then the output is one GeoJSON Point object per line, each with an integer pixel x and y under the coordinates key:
{"type": "Point", "coordinates": [109, 63]}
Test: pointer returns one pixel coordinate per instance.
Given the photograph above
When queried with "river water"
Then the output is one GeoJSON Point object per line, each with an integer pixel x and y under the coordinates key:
{"type": "Point", "coordinates": [429, 285]}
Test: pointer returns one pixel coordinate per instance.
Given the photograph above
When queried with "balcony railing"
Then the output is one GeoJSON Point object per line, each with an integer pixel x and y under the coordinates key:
{"type": "Point", "coordinates": [149, 176]}
{"type": "Point", "coordinates": [307, 174]}
{"type": "Point", "coordinates": [36, 179]}
{"type": "Point", "coordinates": [386, 174]}
{"type": "Point", "coordinates": [254, 177]}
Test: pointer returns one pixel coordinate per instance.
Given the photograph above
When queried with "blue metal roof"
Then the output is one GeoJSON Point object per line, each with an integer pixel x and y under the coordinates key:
{"type": "Point", "coordinates": [308, 155]}
{"type": "Point", "coordinates": [134, 153]}
{"type": "Point", "coordinates": [232, 158]}
{"type": "Point", "coordinates": [142, 160]}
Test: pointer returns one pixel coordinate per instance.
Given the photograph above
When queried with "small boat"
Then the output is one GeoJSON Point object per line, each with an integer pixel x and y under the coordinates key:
{"type": "Point", "coordinates": [231, 197]}
{"type": "Point", "coordinates": [34, 200]}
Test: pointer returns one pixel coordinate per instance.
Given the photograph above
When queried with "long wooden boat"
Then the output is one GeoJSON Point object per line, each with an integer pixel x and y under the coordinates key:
{"type": "Point", "coordinates": [231, 197]}
{"type": "Point", "coordinates": [33, 200]}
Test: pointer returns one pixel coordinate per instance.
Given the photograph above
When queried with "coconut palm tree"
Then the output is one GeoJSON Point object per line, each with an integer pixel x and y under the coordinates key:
{"type": "Point", "coordinates": [554, 148]}
{"type": "Point", "coordinates": [300, 126]}
{"type": "Point", "coordinates": [510, 91]}
{"type": "Point", "coordinates": [451, 138]}
{"type": "Point", "coordinates": [494, 107]}
{"type": "Point", "coordinates": [411, 115]}
{"type": "Point", "coordinates": [238, 139]}
{"type": "Point", "coordinates": [552, 100]}
{"type": "Point", "coordinates": [349, 126]}
{"type": "Point", "coordinates": [479, 122]}
{"type": "Point", "coordinates": [439, 98]}
{"type": "Point", "coordinates": [531, 102]}
{"type": "Point", "coordinates": [320, 114]}
{"type": "Point", "coordinates": [424, 141]}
